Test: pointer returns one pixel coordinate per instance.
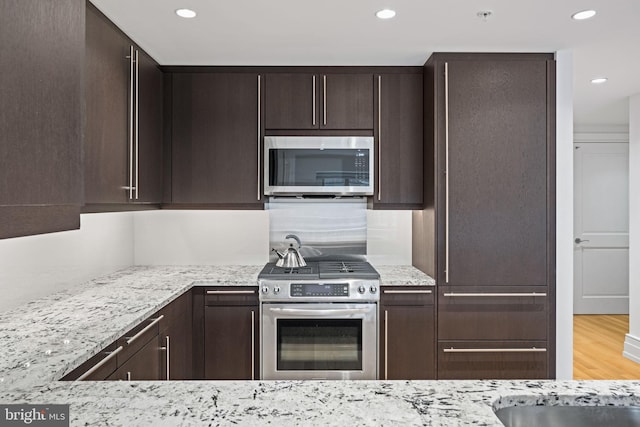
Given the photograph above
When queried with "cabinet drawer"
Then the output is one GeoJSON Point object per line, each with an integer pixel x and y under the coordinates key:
{"type": "Point", "coordinates": [226, 295]}
{"type": "Point", "coordinates": [99, 367]}
{"type": "Point", "coordinates": [492, 315]}
{"type": "Point", "coordinates": [136, 338]}
{"type": "Point", "coordinates": [143, 365]}
{"type": "Point", "coordinates": [492, 360]}
{"type": "Point", "coordinates": [407, 295]}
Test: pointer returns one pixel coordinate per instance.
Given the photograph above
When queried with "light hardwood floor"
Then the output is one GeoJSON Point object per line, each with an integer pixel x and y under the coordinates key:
{"type": "Point", "coordinates": [598, 341]}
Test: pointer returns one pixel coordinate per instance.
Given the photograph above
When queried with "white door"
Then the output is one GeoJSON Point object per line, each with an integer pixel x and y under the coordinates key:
{"type": "Point", "coordinates": [601, 228]}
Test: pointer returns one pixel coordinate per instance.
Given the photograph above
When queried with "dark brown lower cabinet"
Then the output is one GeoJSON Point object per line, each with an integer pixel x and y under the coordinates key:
{"type": "Point", "coordinates": [143, 365]}
{"type": "Point", "coordinates": [159, 348]}
{"type": "Point", "coordinates": [177, 340]}
{"type": "Point", "coordinates": [458, 360]}
{"type": "Point", "coordinates": [230, 342]}
{"type": "Point", "coordinates": [407, 331]}
{"type": "Point", "coordinates": [493, 332]}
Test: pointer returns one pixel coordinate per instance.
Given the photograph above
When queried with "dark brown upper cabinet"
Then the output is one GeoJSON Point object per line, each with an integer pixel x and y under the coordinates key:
{"type": "Point", "coordinates": [215, 144]}
{"type": "Point", "coordinates": [399, 141]}
{"type": "Point", "coordinates": [41, 116]}
{"type": "Point", "coordinates": [299, 101]}
{"type": "Point", "coordinates": [123, 144]}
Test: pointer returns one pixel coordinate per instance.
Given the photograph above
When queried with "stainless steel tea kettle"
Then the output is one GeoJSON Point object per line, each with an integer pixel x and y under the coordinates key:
{"type": "Point", "coordinates": [291, 258]}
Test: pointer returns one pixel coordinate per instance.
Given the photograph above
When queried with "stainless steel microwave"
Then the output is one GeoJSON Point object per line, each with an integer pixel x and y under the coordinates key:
{"type": "Point", "coordinates": [318, 165]}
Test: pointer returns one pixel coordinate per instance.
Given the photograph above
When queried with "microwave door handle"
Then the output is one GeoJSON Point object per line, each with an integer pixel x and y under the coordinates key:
{"type": "Point", "coordinates": [330, 312]}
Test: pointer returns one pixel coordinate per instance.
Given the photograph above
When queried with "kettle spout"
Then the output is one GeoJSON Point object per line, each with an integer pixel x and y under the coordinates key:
{"type": "Point", "coordinates": [280, 254]}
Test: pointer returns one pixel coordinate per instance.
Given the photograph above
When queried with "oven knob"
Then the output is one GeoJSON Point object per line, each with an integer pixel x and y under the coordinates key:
{"type": "Point", "coordinates": [276, 290]}
{"type": "Point", "coordinates": [373, 289]}
{"type": "Point", "coordinates": [361, 289]}
{"type": "Point", "coordinates": [265, 289]}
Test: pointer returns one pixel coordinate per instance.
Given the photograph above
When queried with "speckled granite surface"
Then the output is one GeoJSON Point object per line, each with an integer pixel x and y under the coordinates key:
{"type": "Point", "coordinates": [43, 340]}
{"type": "Point", "coordinates": [313, 403]}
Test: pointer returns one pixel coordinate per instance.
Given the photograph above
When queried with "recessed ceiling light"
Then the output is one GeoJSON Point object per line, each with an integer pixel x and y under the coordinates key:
{"type": "Point", "coordinates": [599, 80]}
{"type": "Point", "coordinates": [585, 14]}
{"type": "Point", "coordinates": [386, 14]}
{"type": "Point", "coordinates": [186, 13]}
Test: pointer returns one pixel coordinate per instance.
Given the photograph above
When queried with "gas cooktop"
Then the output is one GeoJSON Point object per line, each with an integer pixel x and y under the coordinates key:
{"type": "Point", "coordinates": [321, 270]}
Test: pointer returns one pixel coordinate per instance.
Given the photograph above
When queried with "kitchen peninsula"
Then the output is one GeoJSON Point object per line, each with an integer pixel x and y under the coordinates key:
{"type": "Point", "coordinates": [45, 339]}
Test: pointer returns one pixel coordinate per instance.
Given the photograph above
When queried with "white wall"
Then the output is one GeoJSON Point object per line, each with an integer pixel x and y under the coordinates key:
{"type": "Point", "coordinates": [632, 340]}
{"type": "Point", "coordinates": [564, 215]}
{"type": "Point", "coordinates": [36, 266]}
{"type": "Point", "coordinates": [168, 237]}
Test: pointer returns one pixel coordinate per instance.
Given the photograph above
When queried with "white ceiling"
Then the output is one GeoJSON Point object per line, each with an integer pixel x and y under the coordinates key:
{"type": "Point", "coordinates": [339, 32]}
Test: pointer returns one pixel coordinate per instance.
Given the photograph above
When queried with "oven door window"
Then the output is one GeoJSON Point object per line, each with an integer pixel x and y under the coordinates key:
{"type": "Point", "coordinates": [319, 345]}
{"type": "Point", "coordinates": [300, 167]}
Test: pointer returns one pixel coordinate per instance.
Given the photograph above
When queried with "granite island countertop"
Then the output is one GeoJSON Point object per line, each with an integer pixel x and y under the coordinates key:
{"type": "Point", "coordinates": [311, 403]}
{"type": "Point", "coordinates": [43, 340]}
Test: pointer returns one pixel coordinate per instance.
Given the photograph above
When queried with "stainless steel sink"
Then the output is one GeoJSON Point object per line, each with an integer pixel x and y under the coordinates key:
{"type": "Point", "coordinates": [578, 416]}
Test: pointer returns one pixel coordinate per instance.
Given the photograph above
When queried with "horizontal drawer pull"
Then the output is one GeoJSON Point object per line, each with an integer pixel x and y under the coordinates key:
{"type": "Point", "coordinates": [231, 292]}
{"type": "Point", "coordinates": [398, 291]}
{"type": "Point", "coordinates": [495, 294]}
{"type": "Point", "coordinates": [100, 363]}
{"type": "Point", "coordinates": [494, 350]}
{"type": "Point", "coordinates": [149, 326]}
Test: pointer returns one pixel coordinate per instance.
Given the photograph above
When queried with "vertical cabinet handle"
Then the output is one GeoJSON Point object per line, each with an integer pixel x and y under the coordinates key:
{"type": "Point", "coordinates": [128, 376]}
{"type": "Point", "coordinates": [324, 100]}
{"type": "Point", "coordinates": [446, 172]}
{"type": "Point", "coordinates": [253, 345]}
{"type": "Point", "coordinates": [259, 128]}
{"type": "Point", "coordinates": [136, 123]}
{"type": "Point", "coordinates": [313, 100]}
{"type": "Point", "coordinates": [386, 345]}
{"type": "Point", "coordinates": [166, 348]}
{"type": "Point", "coordinates": [131, 112]}
{"type": "Point", "coordinates": [379, 137]}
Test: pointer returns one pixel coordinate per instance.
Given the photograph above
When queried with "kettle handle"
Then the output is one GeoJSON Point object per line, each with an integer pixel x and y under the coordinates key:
{"type": "Point", "coordinates": [294, 237]}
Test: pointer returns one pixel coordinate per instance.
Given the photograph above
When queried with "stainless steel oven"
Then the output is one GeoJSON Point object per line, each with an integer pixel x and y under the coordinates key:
{"type": "Point", "coordinates": [318, 165]}
{"type": "Point", "coordinates": [318, 328]}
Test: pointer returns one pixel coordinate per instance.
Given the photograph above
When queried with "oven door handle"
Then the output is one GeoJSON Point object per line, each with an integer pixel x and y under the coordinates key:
{"type": "Point", "coordinates": [328, 312]}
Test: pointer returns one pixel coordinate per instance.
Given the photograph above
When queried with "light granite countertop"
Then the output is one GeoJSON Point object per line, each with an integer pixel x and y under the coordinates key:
{"type": "Point", "coordinates": [314, 403]}
{"type": "Point", "coordinates": [43, 340]}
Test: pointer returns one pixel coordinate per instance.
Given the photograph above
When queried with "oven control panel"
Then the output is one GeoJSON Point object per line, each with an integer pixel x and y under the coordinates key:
{"type": "Point", "coordinates": [319, 290]}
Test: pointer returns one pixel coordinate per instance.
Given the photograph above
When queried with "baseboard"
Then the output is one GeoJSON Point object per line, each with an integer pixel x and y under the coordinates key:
{"type": "Point", "coordinates": [632, 348]}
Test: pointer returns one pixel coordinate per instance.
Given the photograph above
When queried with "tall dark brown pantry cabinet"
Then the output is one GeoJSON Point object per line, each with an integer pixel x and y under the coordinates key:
{"type": "Point", "coordinates": [41, 115]}
{"type": "Point", "coordinates": [492, 214]}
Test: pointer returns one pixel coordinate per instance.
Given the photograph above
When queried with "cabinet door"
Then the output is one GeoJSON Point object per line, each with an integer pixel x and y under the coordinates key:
{"type": "Point", "coordinates": [149, 165]}
{"type": "Point", "coordinates": [497, 176]}
{"type": "Point", "coordinates": [347, 101]}
{"type": "Point", "coordinates": [178, 337]}
{"type": "Point", "coordinates": [230, 338]}
{"type": "Point", "coordinates": [107, 111]}
{"type": "Point", "coordinates": [41, 116]}
{"type": "Point", "coordinates": [407, 334]}
{"type": "Point", "coordinates": [215, 139]}
{"type": "Point", "coordinates": [400, 158]}
{"type": "Point", "coordinates": [291, 101]}
{"type": "Point", "coordinates": [143, 365]}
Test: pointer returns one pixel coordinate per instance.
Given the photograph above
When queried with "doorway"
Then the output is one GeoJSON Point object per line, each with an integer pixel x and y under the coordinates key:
{"type": "Point", "coordinates": [601, 228]}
